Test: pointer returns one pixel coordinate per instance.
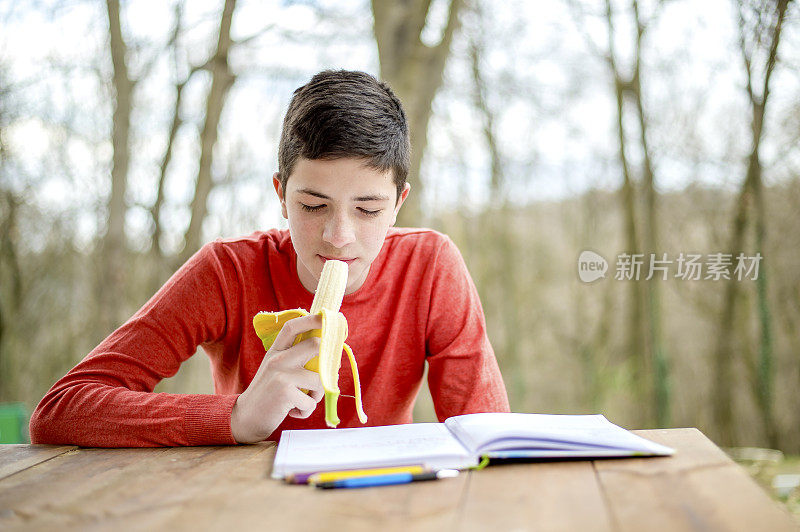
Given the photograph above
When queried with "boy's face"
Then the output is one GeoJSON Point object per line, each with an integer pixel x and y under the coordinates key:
{"type": "Point", "coordinates": [338, 209]}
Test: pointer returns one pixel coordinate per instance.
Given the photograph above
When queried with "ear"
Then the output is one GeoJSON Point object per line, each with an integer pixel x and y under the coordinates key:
{"type": "Point", "coordinates": [400, 200]}
{"type": "Point", "coordinates": [279, 190]}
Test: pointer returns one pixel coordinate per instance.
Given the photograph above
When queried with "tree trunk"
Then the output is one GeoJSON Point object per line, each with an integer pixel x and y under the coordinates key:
{"type": "Point", "coordinates": [751, 192]}
{"type": "Point", "coordinates": [723, 356]}
{"type": "Point", "coordinates": [636, 338]}
{"type": "Point", "coordinates": [160, 267]}
{"type": "Point", "coordinates": [156, 253]}
{"type": "Point", "coordinates": [221, 81]}
{"type": "Point", "coordinates": [654, 341]}
{"type": "Point", "coordinates": [498, 229]}
{"type": "Point", "coordinates": [765, 375]}
{"type": "Point", "coordinates": [414, 71]}
{"type": "Point", "coordinates": [11, 281]}
{"type": "Point", "coordinates": [111, 281]}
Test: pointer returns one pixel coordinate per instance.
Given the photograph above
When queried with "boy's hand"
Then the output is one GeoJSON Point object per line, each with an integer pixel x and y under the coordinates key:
{"type": "Point", "coordinates": [275, 391]}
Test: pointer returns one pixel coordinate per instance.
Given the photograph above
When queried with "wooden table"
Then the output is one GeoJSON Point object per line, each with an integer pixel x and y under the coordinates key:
{"type": "Point", "coordinates": [228, 488]}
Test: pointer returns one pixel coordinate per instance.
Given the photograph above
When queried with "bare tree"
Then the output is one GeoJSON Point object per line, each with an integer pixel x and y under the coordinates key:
{"type": "Point", "coordinates": [645, 343]}
{"type": "Point", "coordinates": [414, 70]}
{"type": "Point", "coordinates": [155, 210]}
{"type": "Point", "coordinates": [221, 81]}
{"type": "Point", "coordinates": [10, 278]}
{"type": "Point", "coordinates": [760, 25]}
{"type": "Point", "coordinates": [655, 342]}
{"type": "Point", "coordinates": [112, 256]}
{"type": "Point", "coordinates": [628, 197]}
{"type": "Point", "coordinates": [161, 265]}
{"type": "Point", "coordinates": [498, 269]}
{"type": "Point", "coordinates": [10, 271]}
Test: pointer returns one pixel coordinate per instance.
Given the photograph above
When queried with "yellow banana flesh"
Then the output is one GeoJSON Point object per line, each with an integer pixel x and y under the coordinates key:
{"type": "Point", "coordinates": [333, 333]}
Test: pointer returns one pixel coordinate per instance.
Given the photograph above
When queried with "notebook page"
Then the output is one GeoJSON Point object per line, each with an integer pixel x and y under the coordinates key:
{"type": "Point", "coordinates": [431, 444]}
{"type": "Point", "coordinates": [495, 431]}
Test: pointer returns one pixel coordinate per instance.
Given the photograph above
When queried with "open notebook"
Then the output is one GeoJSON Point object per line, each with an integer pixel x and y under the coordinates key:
{"type": "Point", "coordinates": [458, 443]}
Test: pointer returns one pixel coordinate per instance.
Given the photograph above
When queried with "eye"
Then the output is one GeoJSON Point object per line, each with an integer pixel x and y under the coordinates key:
{"type": "Point", "coordinates": [369, 213]}
{"type": "Point", "coordinates": [311, 208]}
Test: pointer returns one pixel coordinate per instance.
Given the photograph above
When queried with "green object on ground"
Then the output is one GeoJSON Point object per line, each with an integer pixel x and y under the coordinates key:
{"type": "Point", "coordinates": [14, 423]}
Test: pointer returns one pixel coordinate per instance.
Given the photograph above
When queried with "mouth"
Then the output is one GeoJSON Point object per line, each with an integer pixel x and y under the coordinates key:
{"type": "Point", "coordinates": [346, 260]}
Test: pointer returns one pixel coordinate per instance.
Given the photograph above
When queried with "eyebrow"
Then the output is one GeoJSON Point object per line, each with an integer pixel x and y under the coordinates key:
{"type": "Point", "coordinates": [370, 197]}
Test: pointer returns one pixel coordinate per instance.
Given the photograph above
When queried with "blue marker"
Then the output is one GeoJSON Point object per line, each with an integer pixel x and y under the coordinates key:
{"type": "Point", "coordinates": [387, 480]}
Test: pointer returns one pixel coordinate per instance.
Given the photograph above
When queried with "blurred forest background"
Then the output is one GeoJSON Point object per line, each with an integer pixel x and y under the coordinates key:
{"type": "Point", "coordinates": [133, 132]}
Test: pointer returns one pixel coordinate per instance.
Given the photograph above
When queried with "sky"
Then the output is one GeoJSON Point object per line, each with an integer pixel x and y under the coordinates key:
{"type": "Point", "coordinates": [551, 94]}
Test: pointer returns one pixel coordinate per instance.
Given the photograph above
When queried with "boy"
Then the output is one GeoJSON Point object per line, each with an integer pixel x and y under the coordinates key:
{"type": "Point", "coordinates": [341, 180]}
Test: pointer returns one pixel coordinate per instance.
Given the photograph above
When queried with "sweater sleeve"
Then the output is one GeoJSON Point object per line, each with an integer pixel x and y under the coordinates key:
{"type": "Point", "coordinates": [107, 400]}
{"type": "Point", "coordinates": [463, 375]}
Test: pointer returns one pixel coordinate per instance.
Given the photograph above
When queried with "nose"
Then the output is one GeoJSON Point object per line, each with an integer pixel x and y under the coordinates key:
{"type": "Point", "coordinates": [339, 230]}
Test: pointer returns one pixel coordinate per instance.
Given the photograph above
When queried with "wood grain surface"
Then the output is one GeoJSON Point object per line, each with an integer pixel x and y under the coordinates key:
{"type": "Point", "coordinates": [16, 457]}
{"type": "Point", "coordinates": [699, 488]}
{"type": "Point", "coordinates": [228, 488]}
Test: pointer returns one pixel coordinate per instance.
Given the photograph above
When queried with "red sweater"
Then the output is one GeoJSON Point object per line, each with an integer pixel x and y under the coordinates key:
{"type": "Point", "coordinates": [417, 303]}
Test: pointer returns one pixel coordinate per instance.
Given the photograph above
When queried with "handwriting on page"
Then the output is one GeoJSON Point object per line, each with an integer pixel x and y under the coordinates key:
{"type": "Point", "coordinates": [355, 446]}
{"type": "Point", "coordinates": [395, 445]}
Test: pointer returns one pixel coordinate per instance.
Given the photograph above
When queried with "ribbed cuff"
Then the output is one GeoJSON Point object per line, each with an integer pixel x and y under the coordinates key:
{"type": "Point", "coordinates": [208, 420]}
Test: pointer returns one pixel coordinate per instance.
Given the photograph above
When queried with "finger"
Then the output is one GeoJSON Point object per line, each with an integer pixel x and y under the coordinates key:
{"type": "Point", "coordinates": [299, 355]}
{"type": "Point", "coordinates": [299, 414]}
{"type": "Point", "coordinates": [307, 401]}
{"type": "Point", "coordinates": [293, 327]}
{"type": "Point", "coordinates": [309, 380]}
{"type": "Point", "coordinates": [303, 414]}
{"type": "Point", "coordinates": [303, 403]}
{"type": "Point", "coordinates": [316, 395]}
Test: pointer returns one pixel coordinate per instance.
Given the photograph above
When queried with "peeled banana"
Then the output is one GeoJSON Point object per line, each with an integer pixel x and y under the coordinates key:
{"type": "Point", "coordinates": [327, 300]}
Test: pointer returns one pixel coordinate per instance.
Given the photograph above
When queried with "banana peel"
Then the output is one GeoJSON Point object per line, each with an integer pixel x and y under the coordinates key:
{"type": "Point", "coordinates": [267, 326]}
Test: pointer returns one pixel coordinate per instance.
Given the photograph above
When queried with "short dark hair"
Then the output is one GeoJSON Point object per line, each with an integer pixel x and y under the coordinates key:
{"type": "Point", "coordinates": [341, 113]}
